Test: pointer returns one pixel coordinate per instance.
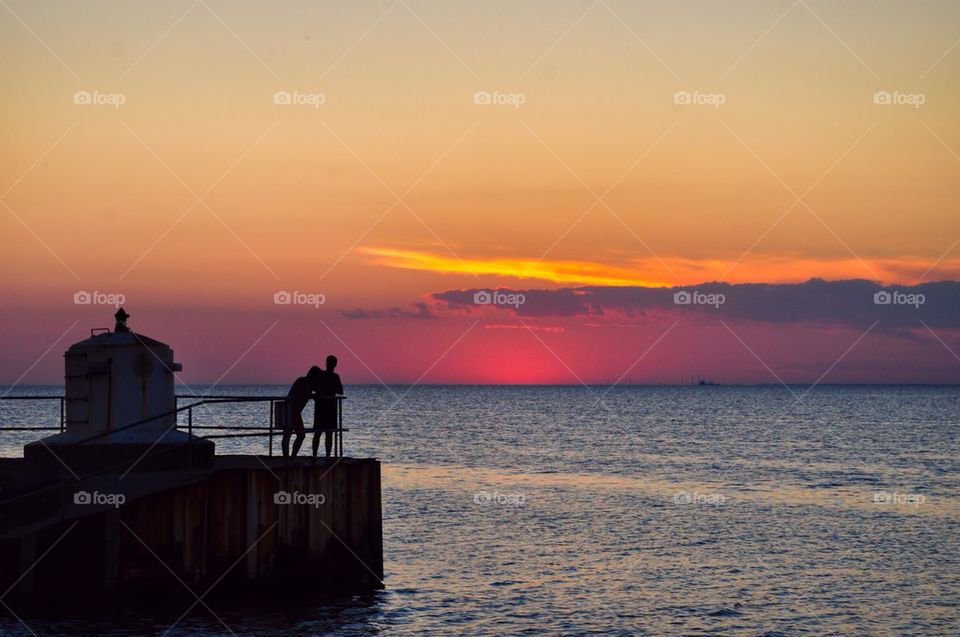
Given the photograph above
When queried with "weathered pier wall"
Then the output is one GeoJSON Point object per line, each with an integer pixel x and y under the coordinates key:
{"type": "Point", "coordinates": [249, 521]}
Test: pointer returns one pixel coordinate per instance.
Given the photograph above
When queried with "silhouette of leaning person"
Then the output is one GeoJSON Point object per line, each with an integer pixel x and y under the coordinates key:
{"type": "Point", "coordinates": [325, 417]}
{"type": "Point", "coordinates": [302, 390]}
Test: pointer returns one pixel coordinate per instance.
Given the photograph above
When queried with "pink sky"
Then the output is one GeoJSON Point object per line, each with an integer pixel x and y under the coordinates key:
{"type": "Point", "coordinates": [416, 150]}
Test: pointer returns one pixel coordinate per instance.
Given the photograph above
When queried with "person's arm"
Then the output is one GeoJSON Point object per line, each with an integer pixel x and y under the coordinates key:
{"type": "Point", "coordinates": [339, 386]}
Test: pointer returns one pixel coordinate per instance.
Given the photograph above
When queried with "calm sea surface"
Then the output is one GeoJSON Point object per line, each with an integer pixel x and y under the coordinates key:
{"type": "Point", "coordinates": [626, 510]}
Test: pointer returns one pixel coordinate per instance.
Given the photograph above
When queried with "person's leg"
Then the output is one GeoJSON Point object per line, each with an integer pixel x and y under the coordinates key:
{"type": "Point", "coordinates": [297, 443]}
{"type": "Point", "coordinates": [329, 421]}
{"type": "Point", "coordinates": [300, 433]}
{"type": "Point", "coordinates": [284, 423]}
{"type": "Point", "coordinates": [316, 442]}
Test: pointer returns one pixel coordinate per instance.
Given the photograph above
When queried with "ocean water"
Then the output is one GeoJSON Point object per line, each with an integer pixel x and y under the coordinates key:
{"type": "Point", "coordinates": [626, 510]}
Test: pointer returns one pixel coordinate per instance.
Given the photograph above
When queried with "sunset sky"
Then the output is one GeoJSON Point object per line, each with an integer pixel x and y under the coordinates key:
{"type": "Point", "coordinates": [394, 193]}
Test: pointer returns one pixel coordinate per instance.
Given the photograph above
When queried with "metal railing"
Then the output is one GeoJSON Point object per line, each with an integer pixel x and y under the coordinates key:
{"type": "Point", "coordinates": [61, 427]}
{"type": "Point", "coordinates": [60, 485]}
{"type": "Point", "coordinates": [274, 427]}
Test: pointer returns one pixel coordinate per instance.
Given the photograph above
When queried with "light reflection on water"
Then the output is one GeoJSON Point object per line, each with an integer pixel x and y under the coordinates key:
{"type": "Point", "coordinates": [722, 510]}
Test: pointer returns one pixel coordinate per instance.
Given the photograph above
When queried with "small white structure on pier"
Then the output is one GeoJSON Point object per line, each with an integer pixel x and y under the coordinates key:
{"type": "Point", "coordinates": [118, 378]}
{"type": "Point", "coordinates": [119, 390]}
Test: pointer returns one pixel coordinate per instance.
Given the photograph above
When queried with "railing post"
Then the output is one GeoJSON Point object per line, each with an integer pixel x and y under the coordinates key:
{"type": "Point", "coordinates": [270, 435]}
{"type": "Point", "coordinates": [339, 427]}
{"type": "Point", "coordinates": [189, 439]}
{"type": "Point", "coordinates": [62, 400]}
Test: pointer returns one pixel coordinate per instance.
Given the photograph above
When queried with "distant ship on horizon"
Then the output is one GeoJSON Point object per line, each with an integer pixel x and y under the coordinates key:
{"type": "Point", "coordinates": [702, 382]}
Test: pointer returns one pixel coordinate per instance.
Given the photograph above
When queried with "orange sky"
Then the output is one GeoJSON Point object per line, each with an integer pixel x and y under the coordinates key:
{"type": "Point", "coordinates": [199, 192]}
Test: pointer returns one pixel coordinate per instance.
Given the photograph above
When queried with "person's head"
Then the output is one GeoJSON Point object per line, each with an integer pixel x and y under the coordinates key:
{"type": "Point", "coordinates": [331, 363]}
{"type": "Point", "coordinates": [314, 374]}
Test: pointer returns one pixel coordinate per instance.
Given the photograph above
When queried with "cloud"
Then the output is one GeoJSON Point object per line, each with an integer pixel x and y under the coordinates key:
{"type": "Point", "coordinates": [664, 270]}
{"type": "Point", "coordinates": [553, 329]}
{"type": "Point", "coordinates": [557, 271]}
{"type": "Point", "coordinates": [814, 302]}
{"type": "Point", "coordinates": [422, 311]}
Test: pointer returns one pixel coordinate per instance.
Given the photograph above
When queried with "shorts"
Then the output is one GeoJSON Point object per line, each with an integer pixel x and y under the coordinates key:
{"type": "Point", "coordinates": [290, 419]}
{"type": "Point", "coordinates": [295, 422]}
{"type": "Point", "coordinates": [325, 414]}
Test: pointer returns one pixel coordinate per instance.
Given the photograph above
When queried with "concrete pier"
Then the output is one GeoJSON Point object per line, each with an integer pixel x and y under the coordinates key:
{"type": "Point", "coordinates": [249, 522]}
{"type": "Point", "coordinates": [122, 504]}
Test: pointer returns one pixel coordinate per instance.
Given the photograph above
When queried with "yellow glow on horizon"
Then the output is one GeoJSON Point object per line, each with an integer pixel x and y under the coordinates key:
{"type": "Point", "coordinates": [556, 271]}
{"type": "Point", "coordinates": [676, 270]}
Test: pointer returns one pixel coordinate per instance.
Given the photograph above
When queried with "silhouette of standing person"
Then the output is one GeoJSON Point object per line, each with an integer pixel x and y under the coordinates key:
{"type": "Point", "coordinates": [326, 405]}
{"type": "Point", "coordinates": [302, 390]}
